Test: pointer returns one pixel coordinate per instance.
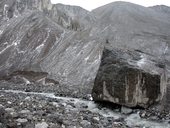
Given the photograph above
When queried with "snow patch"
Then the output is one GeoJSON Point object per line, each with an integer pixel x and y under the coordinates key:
{"type": "Point", "coordinates": [15, 44]}
{"type": "Point", "coordinates": [142, 61]}
{"type": "Point", "coordinates": [1, 31]}
{"type": "Point", "coordinates": [86, 59]}
{"type": "Point", "coordinates": [6, 48]}
{"type": "Point", "coordinates": [39, 48]}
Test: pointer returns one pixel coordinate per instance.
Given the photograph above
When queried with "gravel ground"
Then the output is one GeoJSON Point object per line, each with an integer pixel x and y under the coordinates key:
{"type": "Point", "coordinates": [41, 106]}
{"type": "Point", "coordinates": [59, 90]}
{"type": "Point", "coordinates": [28, 111]}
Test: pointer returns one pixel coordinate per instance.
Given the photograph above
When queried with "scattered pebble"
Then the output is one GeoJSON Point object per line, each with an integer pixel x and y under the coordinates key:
{"type": "Point", "coordinates": [126, 110]}
{"type": "Point", "coordinates": [25, 111]}
{"type": "Point", "coordinates": [9, 110]}
{"type": "Point", "coordinates": [41, 125]}
{"type": "Point", "coordinates": [40, 111]}
{"type": "Point", "coordinates": [22, 120]}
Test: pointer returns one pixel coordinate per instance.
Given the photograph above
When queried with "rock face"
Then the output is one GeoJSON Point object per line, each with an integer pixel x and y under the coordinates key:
{"type": "Point", "coordinates": [165, 10]}
{"type": "Point", "coordinates": [121, 80]}
{"type": "Point", "coordinates": [65, 44]}
{"type": "Point", "coordinates": [136, 75]}
{"type": "Point", "coordinates": [41, 37]}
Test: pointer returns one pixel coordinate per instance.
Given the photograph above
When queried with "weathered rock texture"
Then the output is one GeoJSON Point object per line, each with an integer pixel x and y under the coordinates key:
{"type": "Point", "coordinates": [41, 37]}
{"type": "Point", "coordinates": [66, 43]}
{"type": "Point", "coordinates": [135, 62]}
{"type": "Point", "coordinates": [121, 80]}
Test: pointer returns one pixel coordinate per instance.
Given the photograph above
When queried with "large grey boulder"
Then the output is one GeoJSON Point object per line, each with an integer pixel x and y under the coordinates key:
{"type": "Point", "coordinates": [121, 79]}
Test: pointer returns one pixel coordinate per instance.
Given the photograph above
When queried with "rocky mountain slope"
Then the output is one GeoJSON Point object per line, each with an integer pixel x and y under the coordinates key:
{"type": "Point", "coordinates": [162, 9]}
{"type": "Point", "coordinates": [36, 32]}
{"type": "Point", "coordinates": [117, 53]}
{"type": "Point", "coordinates": [137, 40]}
{"type": "Point", "coordinates": [65, 44]}
{"type": "Point", "coordinates": [134, 27]}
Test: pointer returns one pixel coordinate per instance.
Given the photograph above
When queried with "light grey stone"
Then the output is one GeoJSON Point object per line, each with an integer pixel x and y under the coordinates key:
{"type": "Point", "coordinates": [25, 112]}
{"type": "Point", "coordinates": [22, 120]}
{"type": "Point", "coordinates": [9, 109]}
{"type": "Point", "coordinates": [41, 125]}
{"type": "Point", "coordinates": [126, 110]}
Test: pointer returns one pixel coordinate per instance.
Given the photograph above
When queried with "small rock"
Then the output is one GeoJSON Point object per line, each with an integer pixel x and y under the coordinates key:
{"type": "Point", "coordinates": [143, 114]}
{"type": "Point", "coordinates": [126, 110]}
{"type": "Point", "coordinates": [96, 118]}
{"type": "Point", "coordinates": [153, 118]}
{"type": "Point", "coordinates": [119, 119]}
{"type": "Point", "coordinates": [69, 107]}
{"type": "Point", "coordinates": [30, 126]}
{"type": "Point", "coordinates": [85, 124]}
{"type": "Point", "coordinates": [64, 104]}
{"type": "Point", "coordinates": [72, 127]}
{"type": "Point", "coordinates": [9, 110]}
{"type": "Point", "coordinates": [63, 126]}
{"type": "Point", "coordinates": [22, 120]}
{"type": "Point", "coordinates": [14, 114]}
{"type": "Point", "coordinates": [110, 119]}
{"type": "Point", "coordinates": [1, 106]}
{"type": "Point", "coordinates": [9, 102]}
{"type": "Point", "coordinates": [118, 124]}
{"type": "Point", "coordinates": [84, 106]}
{"type": "Point", "coordinates": [89, 97]}
{"type": "Point", "coordinates": [12, 125]}
{"type": "Point", "coordinates": [54, 125]}
{"type": "Point", "coordinates": [54, 118]}
{"type": "Point", "coordinates": [117, 110]}
{"type": "Point", "coordinates": [41, 125]}
{"type": "Point", "coordinates": [55, 104]}
{"type": "Point", "coordinates": [25, 112]}
{"type": "Point", "coordinates": [27, 98]}
{"type": "Point", "coordinates": [81, 105]}
{"type": "Point", "coordinates": [29, 117]}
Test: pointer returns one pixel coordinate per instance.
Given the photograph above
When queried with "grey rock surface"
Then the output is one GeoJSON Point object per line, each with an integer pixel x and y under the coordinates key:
{"type": "Point", "coordinates": [63, 44]}
{"type": "Point", "coordinates": [41, 125]}
{"type": "Point", "coordinates": [165, 10]}
{"type": "Point", "coordinates": [142, 35]}
{"type": "Point", "coordinates": [41, 37]}
{"type": "Point", "coordinates": [121, 79]}
{"type": "Point", "coordinates": [47, 110]}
